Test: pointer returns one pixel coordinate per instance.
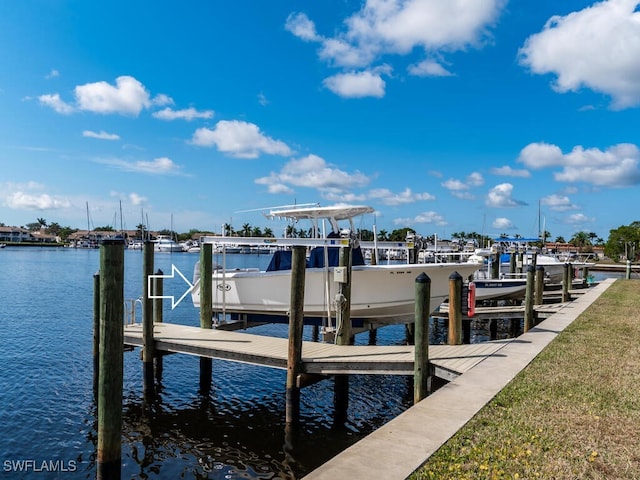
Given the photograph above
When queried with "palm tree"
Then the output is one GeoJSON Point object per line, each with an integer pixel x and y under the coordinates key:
{"type": "Point", "coordinates": [42, 222]}
{"type": "Point", "coordinates": [228, 230]}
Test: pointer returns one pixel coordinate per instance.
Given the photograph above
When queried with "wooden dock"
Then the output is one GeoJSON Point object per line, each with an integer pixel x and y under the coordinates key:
{"type": "Point", "coordinates": [447, 362]}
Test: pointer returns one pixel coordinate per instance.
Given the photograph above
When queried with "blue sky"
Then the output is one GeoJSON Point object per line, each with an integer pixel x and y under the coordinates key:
{"type": "Point", "coordinates": [444, 115]}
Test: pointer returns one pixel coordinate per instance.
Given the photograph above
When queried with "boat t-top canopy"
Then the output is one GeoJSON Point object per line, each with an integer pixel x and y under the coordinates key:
{"type": "Point", "coordinates": [337, 212]}
{"type": "Point", "coordinates": [314, 214]}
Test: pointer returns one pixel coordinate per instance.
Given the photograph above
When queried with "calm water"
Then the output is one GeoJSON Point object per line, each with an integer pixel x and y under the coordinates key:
{"type": "Point", "coordinates": [47, 412]}
{"type": "Point", "coordinates": [236, 430]}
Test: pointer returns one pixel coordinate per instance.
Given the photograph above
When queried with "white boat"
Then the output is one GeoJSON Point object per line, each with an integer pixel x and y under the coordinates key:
{"type": "Point", "coordinates": [385, 292]}
{"type": "Point", "coordinates": [553, 266]}
{"type": "Point", "coordinates": [504, 287]}
{"type": "Point", "coordinates": [166, 244]}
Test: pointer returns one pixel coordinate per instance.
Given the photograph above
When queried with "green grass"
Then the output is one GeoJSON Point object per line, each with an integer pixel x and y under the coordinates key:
{"type": "Point", "coordinates": [573, 413]}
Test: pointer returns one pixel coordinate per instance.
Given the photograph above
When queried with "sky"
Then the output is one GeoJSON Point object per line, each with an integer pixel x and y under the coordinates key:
{"type": "Point", "coordinates": [446, 116]}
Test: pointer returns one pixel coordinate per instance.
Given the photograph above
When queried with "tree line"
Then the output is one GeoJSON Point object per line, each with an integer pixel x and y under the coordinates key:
{"type": "Point", "coordinates": [623, 242]}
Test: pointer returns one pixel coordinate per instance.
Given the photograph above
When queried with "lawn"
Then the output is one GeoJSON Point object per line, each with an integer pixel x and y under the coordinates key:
{"type": "Point", "coordinates": [573, 413]}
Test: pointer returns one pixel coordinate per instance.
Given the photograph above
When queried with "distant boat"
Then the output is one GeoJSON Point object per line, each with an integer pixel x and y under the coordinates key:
{"type": "Point", "coordinates": [166, 244]}
{"type": "Point", "coordinates": [501, 288]}
{"type": "Point", "coordinates": [2, 245]}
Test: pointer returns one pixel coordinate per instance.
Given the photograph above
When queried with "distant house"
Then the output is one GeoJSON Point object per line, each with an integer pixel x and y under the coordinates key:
{"type": "Point", "coordinates": [15, 234]}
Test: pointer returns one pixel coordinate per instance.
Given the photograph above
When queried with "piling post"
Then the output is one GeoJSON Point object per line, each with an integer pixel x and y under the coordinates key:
{"type": "Point", "coordinates": [628, 274]}
{"type": "Point", "coordinates": [421, 356]}
{"type": "Point", "coordinates": [147, 317]}
{"type": "Point", "coordinates": [206, 286]}
{"type": "Point", "coordinates": [109, 455]}
{"type": "Point", "coordinates": [520, 262]}
{"type": "Point", "coordinates": [585, 274]}
{"type": "Point", "coordinates": [566, 281]}
{"type": "Point", "coordinates": [529, 320]}
{"type": "Point", "coordinates": [158, 292]}
{"type": "Point", "coordinates": [296, 319]}
{"type": "Point", "coordinates": [343, 331]}
{"type": "Point", "coordinates": [343, 337]}
{"type": "Point", "coordinates": [512, 262]}
{"type": "Point", "coordinates": [495, 266]}
{"type": "Point", "coordinates": [206, 311]}
{"type": "Point", "coordinates": [96, 333]}
{"type": "Point", "coordinates": [455, 309]}
{"type": "Point", "coordinates": [539, 290]}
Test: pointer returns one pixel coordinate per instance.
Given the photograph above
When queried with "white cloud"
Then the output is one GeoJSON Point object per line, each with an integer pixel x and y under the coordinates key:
{"type": "Point", "coordinates": [428, 68]}
{"type": "Point", "coordinates": [502, 223]}
{"type": "Point", "coordinates": [356, 84]}
{"type": "Point", "coordinates": [157, 166]}
{"type": "Point", "coordinates": [500, 196]}
{"type": "Point", "coordinates": [303, 28]}
{"type": "Point", "coordinates": [475, 179]}
{"type": "Point", "coordinates": [430, 217]}
{"type": "Point", "coordinates": [597, 48]}
{"type": "Point", "coordinates": [399, 27]}
{"type": "Point", "coordinates": [137, 199]}
{"type": "Point", "coordinates": [617, 166]}
{"type": "Point", "coordinates": [31, 201]}
{"type": "Point", "coordinates": [54, 101]}
{"type": "Point", "coordinates": [460, 189]}
{"type": "Point", "coordinates": [185, 114]}
{"type": "Point", "coordinates": [239, 139]}
{"type": "Point", "coordinates": [387, 197]}
{"type": "Point", "coordinates": [262, 99]}
{"type": "Point", "coordinates": [102, 135]}
{"type": "Point", "coordinates": [559, 203]}
{"type": "Point", "coordinates": [312, 171]}
{"type": "Point", "coordinates": [127, 97]}
{"type": "Point", "coordinates": [508, 171]}
{"type": "Point", "coordinates": [52, 74]}
{"type": "Point", "coordinates": [579, 219]}
{"type": "Point", "coordinates": [454, 184]}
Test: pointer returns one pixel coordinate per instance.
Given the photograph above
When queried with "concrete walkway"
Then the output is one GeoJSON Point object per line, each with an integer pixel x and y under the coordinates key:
{"type": "Point", "coordinates": [401, 446]}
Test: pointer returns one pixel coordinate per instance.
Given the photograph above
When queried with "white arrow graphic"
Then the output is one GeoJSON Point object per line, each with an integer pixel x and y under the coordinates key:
{"type": "Point", "coordinates": [174, 270]}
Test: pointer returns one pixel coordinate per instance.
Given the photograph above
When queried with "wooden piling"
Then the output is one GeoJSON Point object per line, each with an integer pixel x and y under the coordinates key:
{"type": "Point", "coordinates": [96, 333]}
{"type": "Point", "coordinates": [566, 282]}
{"type": "Point", "coordinates": [495, 266]}
{"type": "Point", "coordinates": [296, 322]}
{"type": "Point", "coordinates": [512, 262]}
{"type": "Point", "coordinates": [343, 314]}
{"type": "Point", "coordinates": [343, 337]}
{"type": "Point", "coordinates": [158, 292]}
{"type": "Point", "coordinates": [206, 311]}
{"type": "Point", "coordinates": [206, 286]}
{"type": "Point", "coordinates": [109, 453]}
{"type": "Point", "coordinates": [539, 288]}
{"type": "Point", "coordinates": [529, 313]}
{"type": "Point", "coordinates": [422, 311]}
{"type": "Point", "coordinates": [455, 309]}
{"type": "Point", "coordinates": [147, 317]}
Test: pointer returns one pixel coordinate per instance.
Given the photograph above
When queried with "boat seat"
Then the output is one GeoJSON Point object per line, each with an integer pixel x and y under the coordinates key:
{"type": "Point", "coordinates": [316, 258]}
{"type": "Point", "coordinates": [281, 260]}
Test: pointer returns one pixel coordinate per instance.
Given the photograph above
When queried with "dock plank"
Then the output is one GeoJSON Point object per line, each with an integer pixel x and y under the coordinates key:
{"type": "Point", "coordinates": [319, 358]}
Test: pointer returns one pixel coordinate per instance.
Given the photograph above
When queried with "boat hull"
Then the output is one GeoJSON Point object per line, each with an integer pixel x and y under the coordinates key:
{"type": "Point", "coordinates": [500, 289]}
{"type": "Point", "coordinates": [381, 291]}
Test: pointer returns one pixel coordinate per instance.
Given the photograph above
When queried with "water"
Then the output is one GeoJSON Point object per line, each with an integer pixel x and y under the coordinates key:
{"type": "Point", "coordinates": [236, 430]}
